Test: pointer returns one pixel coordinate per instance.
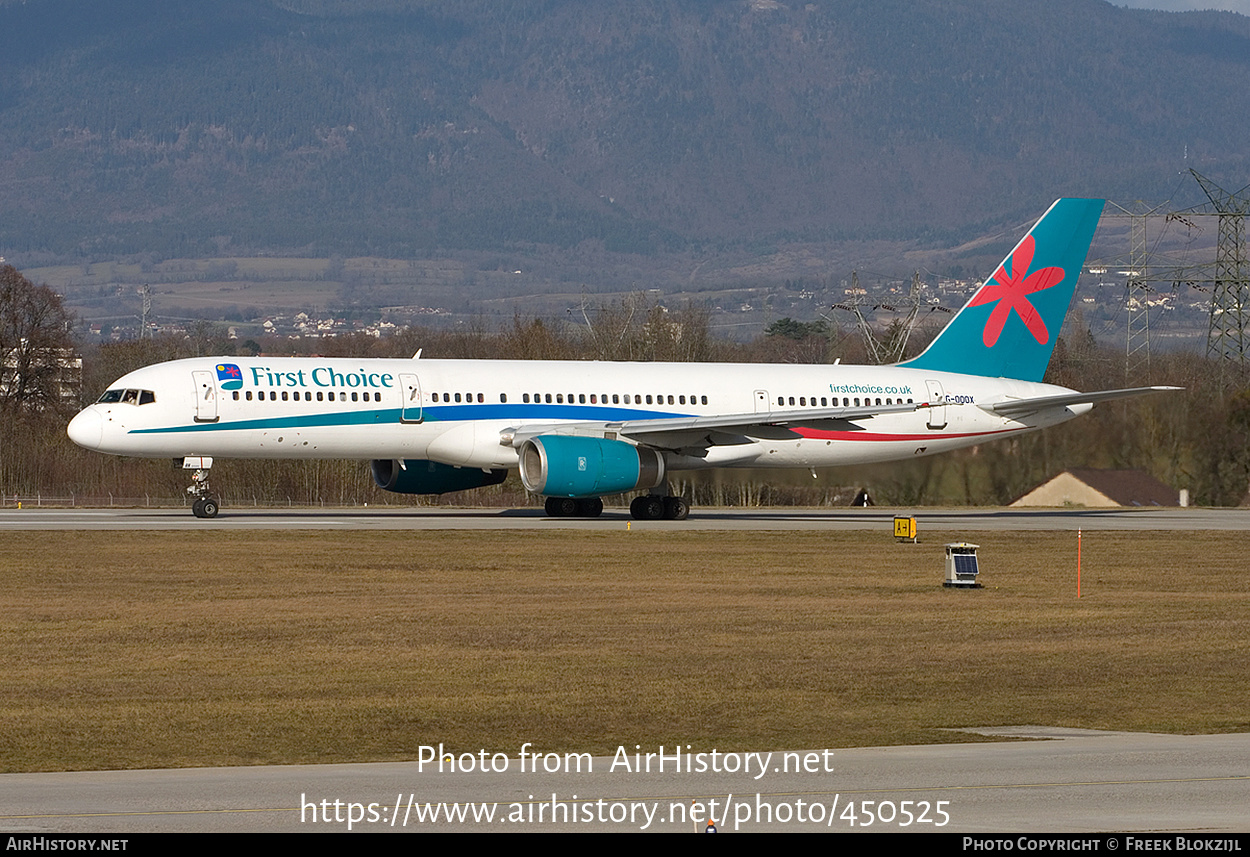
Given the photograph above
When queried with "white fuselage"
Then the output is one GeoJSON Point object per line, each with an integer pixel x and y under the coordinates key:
{"type": "Point", "coordinates": [456, 411]}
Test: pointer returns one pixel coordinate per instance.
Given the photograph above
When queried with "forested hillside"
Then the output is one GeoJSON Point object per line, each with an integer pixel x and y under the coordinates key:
{"type": "Point", "coordinates": [408, 127]}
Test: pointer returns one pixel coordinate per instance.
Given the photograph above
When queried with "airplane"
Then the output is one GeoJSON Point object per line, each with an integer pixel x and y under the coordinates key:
{"type": "Point", "coordinates": [581, 430]}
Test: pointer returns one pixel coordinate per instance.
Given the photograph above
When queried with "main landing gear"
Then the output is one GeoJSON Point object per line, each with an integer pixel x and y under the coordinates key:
{"type": "Point", "coordinates": [567, 507]}
{"type": "Point", "coordinates": [204, 505]}
{"type": "Point", "coordinates": [653, 507]}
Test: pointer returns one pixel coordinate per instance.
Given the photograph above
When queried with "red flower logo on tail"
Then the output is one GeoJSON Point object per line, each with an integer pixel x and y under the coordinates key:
{"type": "Point", "coordinates": [1012, 293]}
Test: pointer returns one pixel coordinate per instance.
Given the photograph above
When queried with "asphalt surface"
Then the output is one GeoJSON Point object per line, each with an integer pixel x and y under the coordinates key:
{"type": "Point", "coordinates": [1073, 781]}
{"type": "Point", "coordinates": [390, 518]}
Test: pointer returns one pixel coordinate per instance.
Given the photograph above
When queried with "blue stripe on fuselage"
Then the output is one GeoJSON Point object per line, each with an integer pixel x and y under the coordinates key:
{"type": "Point", "coordinates": [434, 414]}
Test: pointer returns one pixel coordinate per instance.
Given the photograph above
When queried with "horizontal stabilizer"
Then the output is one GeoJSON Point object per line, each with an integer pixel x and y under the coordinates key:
{"type": "Point", "coordinates": [1015, 407]}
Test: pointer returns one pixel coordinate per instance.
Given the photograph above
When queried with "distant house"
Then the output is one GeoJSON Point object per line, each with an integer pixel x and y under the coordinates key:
{"type": "Point", "coordinates": [52, 374]}
{"type": "Point", "coordinates": [1101, 488]}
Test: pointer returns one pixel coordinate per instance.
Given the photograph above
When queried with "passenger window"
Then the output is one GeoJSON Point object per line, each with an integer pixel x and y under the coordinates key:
{"type": "Point", "coordinates": [503, 397]}
{"type": "Point", "coordinates": [236, 396]}
{"type": "Point", "coordinates": [581, 398]}
{"type": "Point", "coordinates": [248, 395]}
{"type": "Point", "coordinates": [559, 398]}
{"type": "Point", "coordinates": [320, 396]}
{"type": "Point", "coordinates": [670, 400]}
{"type": "Point", "coordinates": [548, 398]}
{"type": "Point", "coordinates": [525, 397]}
{"type": "Point", "coordinates": [792, 400]}
{"type": "Point", "coordinates": [803, 401]}
{"type": "Point", "coordinates": [705, 400]}
{"type": "Point", "coordinates": [480, 398]}
{"type": "Point", "coordinates": [285, 397]}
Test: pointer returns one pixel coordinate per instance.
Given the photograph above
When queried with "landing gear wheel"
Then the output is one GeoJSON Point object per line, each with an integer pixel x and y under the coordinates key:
{"type": "Point", "coordinates": [676, 509]}
{"type": "Point", "coordinates": [649, 508]}
{"type": "Point", "coordinates": [205, 507]}
{"type": "Point", "coordinates": [589, 508]}
{"type": "Point", "coordinates": [560, 507]}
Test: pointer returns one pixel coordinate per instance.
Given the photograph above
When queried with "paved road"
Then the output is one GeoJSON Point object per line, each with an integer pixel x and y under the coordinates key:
{"type": "Point", "coordinates": [1077, 781]}
{"type": "Point", "coordinates": [379, 518]}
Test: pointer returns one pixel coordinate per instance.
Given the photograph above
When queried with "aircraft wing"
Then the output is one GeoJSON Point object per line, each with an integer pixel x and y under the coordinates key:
{"type": "Point", "coordinates": [655, 428]}
{"type": "Point", "coordinates": [1017, 407]}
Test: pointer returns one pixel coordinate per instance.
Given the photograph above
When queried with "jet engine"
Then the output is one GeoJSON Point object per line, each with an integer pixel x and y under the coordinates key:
{"type": "Point", "coordinates": [430, 477]}
{"type": "Point", "coordinates": [571, 466]}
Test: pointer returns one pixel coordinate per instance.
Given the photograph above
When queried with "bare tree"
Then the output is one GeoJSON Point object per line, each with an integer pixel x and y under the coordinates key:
{"type": "Point", "coordinates": [38, 371]}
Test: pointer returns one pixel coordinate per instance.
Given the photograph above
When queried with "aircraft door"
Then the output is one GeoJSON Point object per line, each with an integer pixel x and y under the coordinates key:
{"type": "Point", "coordinates": [205, 397]}
{"type": "Point", "coordinates": [410, 389]}
{"type": "Point", "coordinates": [762, 405]}
{"type": "Point", "coordinates": [937, 405]}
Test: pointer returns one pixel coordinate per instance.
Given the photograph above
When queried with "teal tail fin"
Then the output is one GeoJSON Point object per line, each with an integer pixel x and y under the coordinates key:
{"type": "Point", "coordinates": [1009, 328]}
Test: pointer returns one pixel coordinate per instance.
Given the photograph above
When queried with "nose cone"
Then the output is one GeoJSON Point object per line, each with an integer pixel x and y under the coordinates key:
{"type": "Point", "coordinates": [86, 429]}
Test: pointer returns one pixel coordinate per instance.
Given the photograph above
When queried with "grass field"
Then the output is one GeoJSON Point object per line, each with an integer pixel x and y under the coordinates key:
{"type": "Point", "coordinates": [125, 650]}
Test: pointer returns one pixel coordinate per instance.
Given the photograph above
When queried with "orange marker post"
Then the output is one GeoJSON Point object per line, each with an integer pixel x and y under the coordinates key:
{"type": "Point", "coordinates": [1078, 563]}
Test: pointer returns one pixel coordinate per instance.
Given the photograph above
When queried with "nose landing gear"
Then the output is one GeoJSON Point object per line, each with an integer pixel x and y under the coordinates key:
{"type": "Point", "coordinates": [204, 505]}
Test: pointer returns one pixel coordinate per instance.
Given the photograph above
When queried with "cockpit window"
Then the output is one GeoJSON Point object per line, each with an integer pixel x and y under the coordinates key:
{"type": "Point", "coordinates": [128, 397]}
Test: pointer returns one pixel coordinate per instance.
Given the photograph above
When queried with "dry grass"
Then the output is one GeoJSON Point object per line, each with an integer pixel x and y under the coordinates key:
{"type": "Point", "coordinates": [130, 650]}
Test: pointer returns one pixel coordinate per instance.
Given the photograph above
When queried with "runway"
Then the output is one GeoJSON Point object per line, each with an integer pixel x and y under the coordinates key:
{"type": "Point", "coordinates": [434, 518]}
{"type": "Point", "coordinates": [1072, 781]}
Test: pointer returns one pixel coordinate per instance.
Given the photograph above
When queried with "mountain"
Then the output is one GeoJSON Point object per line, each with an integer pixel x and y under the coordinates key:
{"type": "Point", "coordinates": [405, 128]}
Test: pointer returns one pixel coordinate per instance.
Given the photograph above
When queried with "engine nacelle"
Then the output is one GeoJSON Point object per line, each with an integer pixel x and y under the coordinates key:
{"type": "Point", "coordinates": [556, 465]}
{"type": "Point", "coordinates": [430, 477]}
